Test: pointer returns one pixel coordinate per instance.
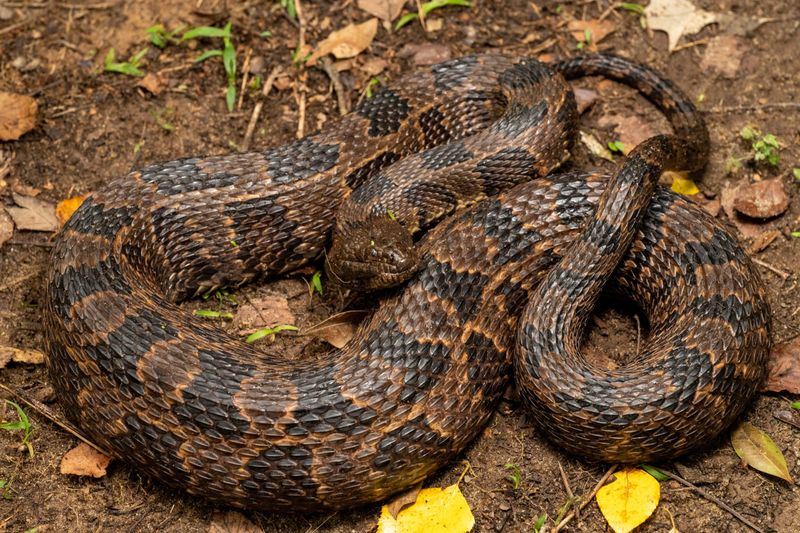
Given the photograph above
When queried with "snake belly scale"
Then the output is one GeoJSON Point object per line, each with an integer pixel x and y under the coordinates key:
{"type": "Point", "coordinates": [198, 410]}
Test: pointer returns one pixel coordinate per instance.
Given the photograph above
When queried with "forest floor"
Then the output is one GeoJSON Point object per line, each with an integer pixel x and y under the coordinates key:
{"type": "Point", "coordinates": [94, 125]}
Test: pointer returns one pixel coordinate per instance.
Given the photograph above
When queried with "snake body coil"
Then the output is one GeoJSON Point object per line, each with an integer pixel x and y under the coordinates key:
{"type": "Point", "coordinates": [198, 410]}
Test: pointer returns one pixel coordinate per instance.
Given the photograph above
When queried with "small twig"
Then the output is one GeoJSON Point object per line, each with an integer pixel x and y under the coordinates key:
{"type": "Point", "coordinates": [251, 126]}
{"type": "Point", "coordinates": [565, 480]}
{"type": "Point", "coordinates": [759, 107]}
{"type": "Point", "coordinates": [585, 501]}
{"type": "Point", "coordinates": [782, 273]}
{"type": "Point", "coordinates": [785, 419]}
{"type": "Point", "coordinates": [52, 417]}
{"type": "Point", "coordinates": [713, 499]}
{"type": "Point", "coordinates": [300, 96]}
{"type": "Point", "coordinates": [16, 26]}
{"type": "Point", "coordinates": [338, 88]}
{"type": "Point", "coordinates": [245, 73]}
{"type": "Point", "coordinates": [638, 333]}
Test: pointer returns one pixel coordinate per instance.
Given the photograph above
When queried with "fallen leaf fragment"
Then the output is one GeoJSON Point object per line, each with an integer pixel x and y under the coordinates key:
{"type": "Point", "coordinates": [758, 450]}
{"type": "Point", "coordinates": [232, 522]}
{"type": "Point", "coordinates": [598, 29]}
{"type": "Point", "coordinates": [65, 208]}
{"type": "Point", "coordinates": [723, 55]}
{"type": "Point", "coordinates": [763, 199]}
{"type": "Point", "coordinates": [727, 198]}
{"type": "Point", "coordinates": [629, 500]}
{"type": "Point", "coordinates": [383, 9]}
{"type": "Point", "coordinates": [6, 226]}
{"type": "Point", "coordinates": [33, 214]}
{"type": "Point", "coordinates": [677, 18]}
{"type": "Point", "coordinates": [783, 369]}
{"type": "Point", "coordinates": [402, 501]}
{"type": "Point", "coordinates": [435, 510]}
{"type": "Point", "coordinates": [684, 186]}
{"type": "Point", "coordinates": [17, 115]}
{"type": "Point", "coordinates": [9, 353]}
{"type": "Point", "coordinates": [595, 146]}
{"type": "Point", "coordinates": [763, 240]}
{"type": "Point", "coordinates": [338, 329]}
{"type": "Point", "coordinates": [267, 310]}
{"type": "Point", "coordinates": [83, 460]}
{"type": "Point", "coordinates": [585, 98]}
{"type": "Point", "coordinates": [425, 54]}
{"type": "Point", "coordinates": [347, 42]}
{"type": "Point", "coordinates": [152, 83]}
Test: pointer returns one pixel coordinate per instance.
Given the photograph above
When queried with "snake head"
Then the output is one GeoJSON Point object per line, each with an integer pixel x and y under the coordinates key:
{"type": "Point", "coordinates": [376, 253]}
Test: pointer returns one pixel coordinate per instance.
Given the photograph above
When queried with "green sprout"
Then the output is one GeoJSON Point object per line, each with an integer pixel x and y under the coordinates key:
{"type": "Point", "coordinates": [207, 313]}
{"type": "Point", "coordinates": [228, 54]}
{"type": "Point", "coordinates": [515, 476]}
{"type": "Point", "coordinates": [265, 332]}
{"type": "Point", "coordinates": [587, 39]}
{"type": "Point", "coordinates": [23, 425]}
{"type": "Point", "coordinates": [537, 526]}
{"type": "Point", "coordinates": [426, 8]}
{"type": "Point", "coordinates": [129, 67]}
{"type": "Point", "coordinates": [161, 37]}
{"type": "Point", "coordinates": [290, 8]}
{"type": "Point", "coordinates": [316, 283]}
{"type": "Point", "coordinates": [765, 147]}
{"type": "Point", "coordinates": [616, 147]}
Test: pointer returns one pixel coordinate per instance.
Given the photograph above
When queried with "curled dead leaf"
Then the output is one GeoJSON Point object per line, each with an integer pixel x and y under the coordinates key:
{"type": "Point", "coordinates": [783, 369]}
{"type": "Point", "coordinates": [232, 522]}
{"type": "Point", "coordinates": [83, 460]}
{"type": "Point", "coordinates": [383, 9]}
{"type": "Point", "coordinates": [762, 199]}
{"type": "Point", "coordinates": [9, 353]}
{"type": "Point", "coordinates": [17, 115]}
{"type": "Point", "coordinates": [337, 330]}
{"type": "Point", "coordinates": [152, 83]}
{"type": "Point", "coordinates": [33, 214]}
{"type": "Point", "coordinates": [758, 450]}
{"type": "Point", "coordinates": [347, 42]}
{"type": "Point", "coordinates": [727, 198]}
{"type": "Point", "coordinates": [403, 500]}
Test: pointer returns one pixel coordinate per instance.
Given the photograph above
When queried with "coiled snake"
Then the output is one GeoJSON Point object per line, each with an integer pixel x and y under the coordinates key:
{"type": "Point", "coordinates": [196, 409]}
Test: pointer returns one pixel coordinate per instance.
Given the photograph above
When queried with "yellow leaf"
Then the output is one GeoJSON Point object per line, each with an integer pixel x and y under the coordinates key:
{"type": "Point", "coordinates": [629, 500]}
{"type": "Point", "coordinates": [756, 449]}
{"type": "Point", "coordinates": [436, 510]}
{"type": "Point", "coordinates": [65, 208]}
{"type": "Point", "coordinates": [684, 186]}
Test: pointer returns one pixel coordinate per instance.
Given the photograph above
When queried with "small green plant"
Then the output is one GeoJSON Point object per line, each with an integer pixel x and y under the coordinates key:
{"type": "Point", "coordinates": [655, 472]}
{"type": "Point", "coordinates": [765, 147]}
{"type": "Point", "coordinates": [315, 284]}
{"type": "Point", "coordinates": [372, 83]}
{"type": "Point", "coordinates": [514, 476]}
{"type": "Point", "coordinates": [637, 9]}
{"type": "Point", "coordinates": [795, 405]}
{"type": "Point", "coordinates": [733, 165]}
{"type": "Point", "coordinates": [537, 526]}
{"type": "Point", "coordinates": [291, 9]}
{"type": "Point", "coordinates": [208, 313]}
{"type": "Point", "coordinates": [265, 332]}
{"type": "Point", "coordinates": [586, 41]}
{"type": "Point", "coordinates": [426, 8]}
{"type": "Point", "coordinates": [796, 173]}
{"type": "Point", "coordinates": [161, 37]}
{"type": "Point", "coordinates": [161, 116]}
{"type": "Point", "coordinates": [23, 425]}
{"type": "Point", "coordinates": [566, 507]}
{"type": "Point", "coordinates": [228, 54]}
{"type": "Point", "coordinates": [129, 67]}
{"type": "Point", "coordinates": [617, 147]}
{"type": "Point", "coordinates": [5, 489]}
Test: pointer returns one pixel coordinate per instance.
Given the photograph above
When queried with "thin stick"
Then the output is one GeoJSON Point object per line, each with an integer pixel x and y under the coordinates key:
{"type": "Point", "coordinates": [52, 417]}
{"type": "Point", "coordinates": [638, 333]}
{"type": "Point", "coordinates": [245, 73]}
{"type": "Point", "coordinates": [565, 480]}
{"type": "Point", "coordinates": [251, 126]}
{"type": "Point", "coordinates": [338, 88]}
{"type": "Point", "coordinates": [16, 26]}
{"type": "Point", "coordinates": [759, 107]}
{"type": "Point", "coordinates": [782, 273]}
{"type": "Point", "coordinates": [585, 501]}
{"type": "Point", "coordinates": [713, 499]}
{"type": "Point", "coordinates": [300, 95]}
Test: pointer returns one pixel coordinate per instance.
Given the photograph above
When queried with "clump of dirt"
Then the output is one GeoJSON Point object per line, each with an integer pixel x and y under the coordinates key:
{"type": "Point", "coordinates": [94, 126]}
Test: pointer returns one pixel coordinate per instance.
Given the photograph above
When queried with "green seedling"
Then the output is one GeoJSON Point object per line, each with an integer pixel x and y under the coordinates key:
{"type": "Point", "coordinates": [637, 9]}
{"type": "Point", "coordinates": [5, 489]}
{"type": "Point", "coordinates": [587, 39]}
{"type": "Point", "coordinates": [795, 405]}
{"type": "Point", "coordinates": [23, 425]}
{"type": "Point", "coordinates": [796, 173]}
{"type": "Point", "coordinates": [290, 8]}
{"type": "Point", "coordinates": [265, 332]}
{"type": "Point", "coordinates": [161, 37]}
{"type": "Point", "coordinates": [316, 283]}
{"type": "Point", "coordinates": [537, 526]}
{"type": "Point", "coordinates": [655, 472]}
{"type": "Point", "coordinates": [129, 67]}
{"type": "Point", "coordinates": [372, 83]}
{"type": "Point", "coordinates": [426, 8]}
{"type": "Point", "coordinates": [617, 147]}
{"type": "Point", "coordinates": [566, 507]}
{"type": "Point", "coordinates": [207, 313]}
{"type": "Point", "coordinates": [228, 54]}
{"type": "Point", "coordinates": [765, 147]}
{"type": "Point", "coordinates": [515, 476]}
{"type": "Point", "coordinates": [266, 34]}
{"type": "Point", "coordinates": [161, 115]}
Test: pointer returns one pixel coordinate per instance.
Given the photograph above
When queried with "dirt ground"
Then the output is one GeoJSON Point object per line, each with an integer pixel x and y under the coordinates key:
{"type": "Point", "coordinates": [94, 125]}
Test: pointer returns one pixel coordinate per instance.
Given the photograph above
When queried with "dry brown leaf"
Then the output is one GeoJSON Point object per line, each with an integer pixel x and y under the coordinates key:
{"type": "Point", "coordinates": [33, 214]}
{"type": "Point", "coordinates": [152, 83]}
{"type": "Point", "coordinates": [631, 130]}
{"type": "Point", "coordinates": [374, 66]}
{"type": "Point", "coordinates": [585, 98]}
{"type": "Point", "coordinates": [763, 199]}
{"type": "Point", "coordinates": [403, 500]}
{"type": "Point", "coordinates": [783, 370]}
{"type": "Point", "coordinates": [723, 55]}
{"type": "Point", "coordinates": [727, 197]}
{"type": "Point", "coordinates": [425, 54]}
{"type": "Point", "coordinates": [347, 42]}
{"type": "Point", "coordinates": [9, 353]}
{"type": "Point", "coordinates": [338, 329]}
{"type": "Point", "coordinates": [265, 311]}
{"type": "Point", "coordinates": [17, 115]}
{"type": "Point", "coordinates": [232, 522]}
{"type": "Point", "coordinates": [712, 206]}
{"type": "Point", "coordinates": [83, 460]}
{"type": "Point", "coordinates": [598, 30]}
{"type": "Point", "coordinates": [677, 18]}
{"type": "Point", "coordinates": [6, 226]}
{"type": "Point", "coordinates": [383, 9]}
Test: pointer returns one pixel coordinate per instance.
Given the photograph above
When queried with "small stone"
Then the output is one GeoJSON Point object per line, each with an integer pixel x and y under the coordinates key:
{"type": "Point", "coordinates": [258, 65]}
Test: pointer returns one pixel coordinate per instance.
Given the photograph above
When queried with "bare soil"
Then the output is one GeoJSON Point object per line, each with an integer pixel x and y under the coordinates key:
{"type": "Point", "coordinates": [93, 126]}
